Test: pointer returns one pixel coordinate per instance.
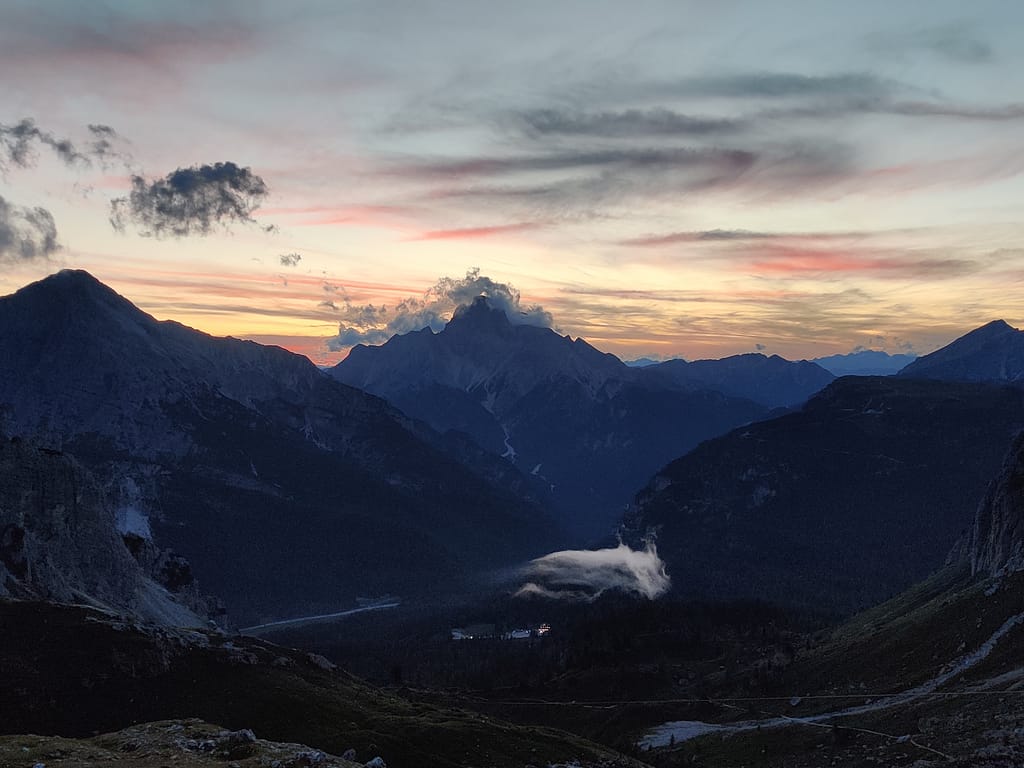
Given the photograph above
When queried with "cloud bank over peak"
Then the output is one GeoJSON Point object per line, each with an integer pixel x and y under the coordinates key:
{"type": "Point", "coordinates": [369, 324]}
{"type": "Point", "coordinates": [587, 574]}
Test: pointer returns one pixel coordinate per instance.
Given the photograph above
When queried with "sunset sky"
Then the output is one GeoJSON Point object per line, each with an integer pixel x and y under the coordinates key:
{"type": "Point", "coordinates": [661, 178]}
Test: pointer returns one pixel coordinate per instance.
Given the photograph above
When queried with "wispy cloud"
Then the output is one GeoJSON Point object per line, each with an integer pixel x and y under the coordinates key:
{"type": "Point", "coordinates": [780, 260]}
{"type": "Point", "coordinates": [21, 142]}
{"type": "Point", "coordinates": [629, 123]}
{"type": "Point", "coordinates": [662, 159]}
{"type": "Point", "coordinates": [26, 233]}
{"type": "Point", "coordinates": [959, 43]}
{"type": "Point", "coordinates": [476, 233]}
{"type": "Point", "coordinates": [732, 235]}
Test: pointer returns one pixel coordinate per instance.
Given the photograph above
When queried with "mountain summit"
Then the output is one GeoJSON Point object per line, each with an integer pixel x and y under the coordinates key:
{"type": "Point", "coordinates": [580, 419]}
{"type": "Point", "coordinates": [993, 352]}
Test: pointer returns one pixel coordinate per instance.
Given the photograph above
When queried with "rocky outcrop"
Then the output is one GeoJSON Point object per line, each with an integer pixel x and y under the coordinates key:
{"type": "Point", "coordinates": [997, 541]}
{"type": "Point", "coordinates": [59, 541]}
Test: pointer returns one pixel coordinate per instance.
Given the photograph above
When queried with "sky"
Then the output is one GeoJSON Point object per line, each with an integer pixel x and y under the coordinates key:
{"type": "Point", "coordinates": [661, 178]}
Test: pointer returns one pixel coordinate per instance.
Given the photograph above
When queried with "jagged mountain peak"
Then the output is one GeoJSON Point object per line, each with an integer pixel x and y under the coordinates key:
{"type": "Point", "coordinates": [479, 308]}
{"type": "Point", "coordinates": [480, 318]}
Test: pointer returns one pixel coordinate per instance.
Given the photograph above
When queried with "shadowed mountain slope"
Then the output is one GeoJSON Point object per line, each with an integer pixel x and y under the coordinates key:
{"type": "Point", "coordinates": [288, 491]}
{"type": "Point", "coordinates": [835, 507]}
{"type": "Point", "coordinates": [126, 674]}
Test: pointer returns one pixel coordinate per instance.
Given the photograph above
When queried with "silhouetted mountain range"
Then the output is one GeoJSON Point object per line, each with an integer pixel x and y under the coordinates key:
{"type": "Point", "coordinates": [288, 491]}
{"type": "Point", "coordinates": [866, 362]}
{"type": "Point", "coordinates": [994, 352]}
{"type": "Point", "coordinates": [771, 381]}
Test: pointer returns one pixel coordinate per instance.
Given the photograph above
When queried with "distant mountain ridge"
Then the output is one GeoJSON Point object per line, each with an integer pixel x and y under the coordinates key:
{"type": "Point", "coordinates": [865, 362]}
{"type": "Point", "coordinates": [592, 427]}
{"type": "Point", "coordinates": [771, 381]}
{"type": "Point", "coordinates": [837, 506]}
{"type": "Point", "coordinates": [288, 491]}
{"type": "Point", "coordinates": [993, 352]}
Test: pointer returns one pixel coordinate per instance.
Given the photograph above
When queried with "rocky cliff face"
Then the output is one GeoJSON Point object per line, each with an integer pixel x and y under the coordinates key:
{"type": "Point", "coordinates": [59, 541]}
{"type": "Point", "coordinates": [997, 541]}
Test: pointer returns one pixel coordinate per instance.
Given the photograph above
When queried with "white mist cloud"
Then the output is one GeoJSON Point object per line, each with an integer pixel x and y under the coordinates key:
{"type": "Point", "coordinates": [587, 574]}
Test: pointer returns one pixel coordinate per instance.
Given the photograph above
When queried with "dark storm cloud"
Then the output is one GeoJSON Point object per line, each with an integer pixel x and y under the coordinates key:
{"type": "Point", "coordinates": [369, 324]}
{"type": "Point", "coordinates": [26, 233]}
{"type": "Point", "coordinates": [290, 259]}
{"type": "Point", "coordinates": [624, 124]}
{"type": "Point", "coordinates": [190, 201]}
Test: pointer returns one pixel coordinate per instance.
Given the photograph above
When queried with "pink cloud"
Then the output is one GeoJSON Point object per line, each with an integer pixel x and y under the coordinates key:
{"type": "Point", "coordinates": [475, 233]}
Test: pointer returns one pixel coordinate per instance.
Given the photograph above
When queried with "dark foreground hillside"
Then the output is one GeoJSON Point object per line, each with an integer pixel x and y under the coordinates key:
{"type": "Point", "coordinates": [75, 672]}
